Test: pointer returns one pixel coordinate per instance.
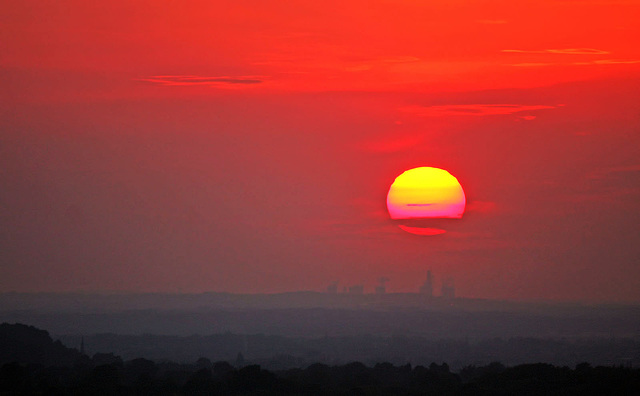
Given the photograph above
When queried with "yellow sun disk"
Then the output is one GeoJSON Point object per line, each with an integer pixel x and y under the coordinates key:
{"type": "Point", "coordinates": [426, 193]}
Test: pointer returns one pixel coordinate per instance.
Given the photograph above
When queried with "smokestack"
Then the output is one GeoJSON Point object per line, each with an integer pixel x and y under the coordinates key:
{"type": "Point", "coordinates": [427, 286]}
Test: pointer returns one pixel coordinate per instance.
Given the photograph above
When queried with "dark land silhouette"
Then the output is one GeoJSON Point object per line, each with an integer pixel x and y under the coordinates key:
{"type": "Point", "coordinates": [279, 352]}
{"type": "Point", "coordinates": [32, 363]}
{"type": "Point", "coordinates": [313, 343]}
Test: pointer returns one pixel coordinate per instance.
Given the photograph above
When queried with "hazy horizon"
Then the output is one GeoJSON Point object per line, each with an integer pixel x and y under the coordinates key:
{"type": "Point", "coordinates": [367, 292]}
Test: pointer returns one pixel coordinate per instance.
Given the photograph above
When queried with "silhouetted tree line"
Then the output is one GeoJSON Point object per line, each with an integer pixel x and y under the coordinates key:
{"type": "Point", "coordinates": [22, 343]}
{"type": "Point", "coordinates": [32, 363]}
{"type": "Point", "coordinates": [275, 352]}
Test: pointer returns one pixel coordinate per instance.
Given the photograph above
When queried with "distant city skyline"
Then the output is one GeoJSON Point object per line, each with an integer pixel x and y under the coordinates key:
{"type": "Point", "coordinates": [427, 287]}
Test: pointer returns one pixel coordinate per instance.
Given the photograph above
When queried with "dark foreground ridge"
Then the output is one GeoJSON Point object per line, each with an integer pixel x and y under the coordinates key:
{"type": "Point", "coordinates": [32, 363]}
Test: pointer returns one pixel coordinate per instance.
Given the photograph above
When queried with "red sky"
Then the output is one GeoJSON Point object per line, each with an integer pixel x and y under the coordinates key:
{"type": "Point", "coordinates": [248, 146]}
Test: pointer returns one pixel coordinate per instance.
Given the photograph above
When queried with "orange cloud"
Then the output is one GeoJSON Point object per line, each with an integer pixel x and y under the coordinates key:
{"type": "Point", "coordinates": [595, 62]}
{"type": "Point", "coordinates": [400, 59]}
{"type": "Point", "coordinates": [532, 64]}
{"type": "Point", "coordinates": [609, 62]}
{"type": "Point", "coordinates": [491, 21]}
{"type": "Point", "coordinates": [569, 51]}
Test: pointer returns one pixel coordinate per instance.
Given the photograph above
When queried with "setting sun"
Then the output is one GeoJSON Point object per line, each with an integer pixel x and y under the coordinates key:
{"type": "Point", "coordinates": [425, 193]}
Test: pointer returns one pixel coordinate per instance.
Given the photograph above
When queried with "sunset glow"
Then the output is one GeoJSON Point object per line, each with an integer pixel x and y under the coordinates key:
{"type": "Point", "coordinates": [248, 147]}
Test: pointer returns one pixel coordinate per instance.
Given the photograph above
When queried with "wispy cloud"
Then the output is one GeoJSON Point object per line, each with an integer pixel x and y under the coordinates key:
{"type": "Point", "coordinates": [569, 51]}
{"type": "Point", "coordinates": [594, 62]}
{"type": "Point", "coordinates": [400, 59]}
{"type": "Point", "coordinates": [200, 80]}
{"type": "Point", "coordinates": [532, 64]}
{"type": "Point", "coordinates": [491, 21]}
{"type": "Point", "coordinates": [612, 185]}
{"type": "Point", "coordinates": [607, 172]}
{"type": "Point", "coordinates": [472, 109]}
{"type": "Point", "coordinates": [609, 62]}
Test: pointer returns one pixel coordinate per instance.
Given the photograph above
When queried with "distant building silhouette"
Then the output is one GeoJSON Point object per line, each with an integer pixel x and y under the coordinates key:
{"type": "Point", "coordinates": [356, 289]}
{"type": "Point", "coordinates": [381, 289]}
{"type": "Point", "coordinates": [427, 286]}
{"type": "Point", "coordinates": [240, 362]}
{"type": "Point", "coordinates": [448, 290]}
{"type": "Point", "coordinates": [332, 288]}
{"type": "Point", "coordinates": [82, 346]}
